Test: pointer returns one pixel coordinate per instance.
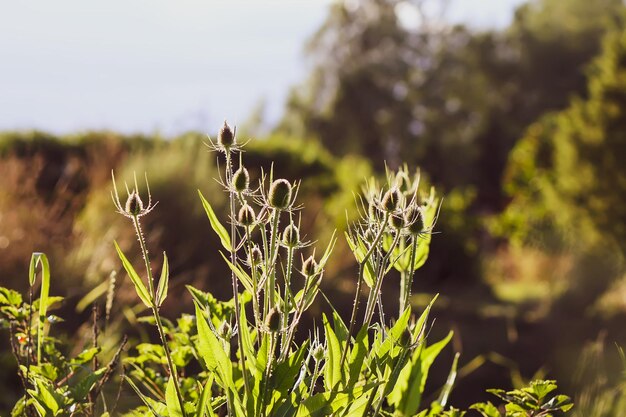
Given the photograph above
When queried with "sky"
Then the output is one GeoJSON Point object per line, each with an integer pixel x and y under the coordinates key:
{"type": "Point", "coordinates": [162, 66]}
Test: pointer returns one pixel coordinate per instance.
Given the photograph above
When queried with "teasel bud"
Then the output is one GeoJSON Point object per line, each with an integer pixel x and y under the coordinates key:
{"type": "Point", "coordinates": [415, 220]}
{"type": "Point", "coordinates": [280, 194]}
{"type": "Point", "coordinates": [255, 257]}
{"type": "Point", "coordinates": [396, 221]}
{"type": "Point", "coordinates": [225, 331]}
{"type": "Point", "coordinates": [273, 319]}
{"type": "Point", "coordinates": [309, 267]}
{"type": "Point", "coordinates": [226, 137]}
{"type": "Point", "coordinates": [241, 180]}
{"type": "Point", "coordinates": [319, 353]}
{"type": "Point", "coordinates": [134, 205]}
{"type": "Point", "coordinates": [246, 215]}
{"type": "Point", "coordinates": [291, 236]}
{"type": "Point", "coordinates": [391, 199]}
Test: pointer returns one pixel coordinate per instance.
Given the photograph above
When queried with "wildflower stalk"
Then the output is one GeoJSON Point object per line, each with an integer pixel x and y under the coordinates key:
{"type": "Point", "coordinates": [155, 312]}
{"type": "Point", "coordinates": [233, 260]}
{"type": "Point", "coordinates": [359, 282]}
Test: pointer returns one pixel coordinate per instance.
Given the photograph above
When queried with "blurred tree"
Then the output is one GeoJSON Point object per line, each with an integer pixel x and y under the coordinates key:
{"type": "Point", "coordinates": [569, 170]}
{"type": "Point", "coordinates": [395, 83]}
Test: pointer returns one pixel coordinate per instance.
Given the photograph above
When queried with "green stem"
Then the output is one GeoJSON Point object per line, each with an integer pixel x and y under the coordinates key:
{"type": "Point", "coordinates": [155, 312]}
{"type": "Point", "coordinates": [407, 279]}
{"type": "Point", "coordinates": [271, 265]}
{"type": "Point", "coordinates": [287, 296]}
{"type": "Point", "coordinates": [233, 260]}
{"type": "Point", "coordinates": [371, 300]}
{"type": "Point", "coordinates": [362, 265]}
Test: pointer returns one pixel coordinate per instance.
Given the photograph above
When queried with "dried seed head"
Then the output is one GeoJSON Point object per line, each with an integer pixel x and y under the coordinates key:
{"type": "Point", "coordinates": [225, 331]}
{"type": "Point", "coordinates": [318, 353]}
{"type": "Point", "coordinates": [246, 215]}
{"type": "Point", "coordinates": [241, 180]}
{"type": "Point", "coordinates": [273, 319]}
{"type": "Point", "coordinates": [415, 220]}
{"type": "Point", "coordinates": [134, 205]}
{"type": "Point", "coordinates": [391, 199]}
{"type": "Point", "coordinates": [309, 267]}
{"type": "Point", "coordinates": [226, 137]}
{"type": "Point", "coordinates": [280, 194]}
{"type": "Point", "coordinates": [291, 236]}
{"type": "Point", "coordinates": [255, 257]}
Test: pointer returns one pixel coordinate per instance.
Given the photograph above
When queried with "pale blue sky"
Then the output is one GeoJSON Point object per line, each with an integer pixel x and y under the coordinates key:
{"type": "Point", "coordinates": [158, 65]}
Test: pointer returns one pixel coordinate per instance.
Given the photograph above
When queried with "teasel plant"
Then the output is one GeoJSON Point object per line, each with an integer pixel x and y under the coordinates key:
{"type": "Point", "coordinates": [253, 363]}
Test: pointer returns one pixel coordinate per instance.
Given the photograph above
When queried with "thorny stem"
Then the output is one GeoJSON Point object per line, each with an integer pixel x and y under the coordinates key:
{"type": "Point", "coordinates": [296, 319]}
{"type": "Point", "coordinates": [155, 312]}
{"type": "Point", "coordinates": [268, 370]}
{"type": "Point", "coordinates": [362, 265]}
{"type": "Point", "coordinates": [406, 280]}
{"type": "Point", "coordinates": [371, 301]}
{"type": "Point", "coordinates": [271, 262]}
{"type": "Point", "coordinates": [314, 376]}
{"type": "Point", "coordinates": [255, 280]}
{"type": "Point", "coordinates": [233, 260]}
{"type": "Point", "coordinates": [287, 296]}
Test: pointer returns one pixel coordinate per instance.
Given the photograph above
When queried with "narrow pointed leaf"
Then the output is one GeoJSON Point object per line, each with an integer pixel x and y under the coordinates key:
{"type": "Point", "coordinates": [163, 281]}
{"type": "Point", "coordinates": [140, 287]}
{"type": "Point", "coordinates": [215, 223]}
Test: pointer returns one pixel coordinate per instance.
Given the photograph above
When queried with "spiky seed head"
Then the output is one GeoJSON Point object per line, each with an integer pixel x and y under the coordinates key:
{"type": "Point", "coordinates": [291, 236]}
{"type": "Point", "coordinates": [391, 199]}
{"type": "Point", "coordinates": [273, 319]}
{"type": "Point", "coordinates": [318, 353]}
{"type": "Point", "coordinates": [280, 194]}
{"type": "Point", "coordinates": [226, 137]}
{"type": "Point", "coordinates": [415, 220]}
{"type": "Point", "coordinates": [225, 331]}
{"type": "Point", "coordinates": [396, 221]}
{"type": "Point", "coordinates": [134, 205]}
{"type": "Point", "coordinates": [309, 267]}
{"type": "Point", "coordinates": [241, 180]}
{"type": "Point", "coordinates": [246, 215]}
{"type": "Point", "coordinates": [255, 257]}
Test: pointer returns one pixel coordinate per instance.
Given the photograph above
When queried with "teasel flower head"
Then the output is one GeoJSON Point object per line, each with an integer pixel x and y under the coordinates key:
{"type": "Point", "coordinates": [246, 216]}
{"type": "Point", "coordinates": [291, 236]}
{"type": "Point", "coordinates": [309, 267]}
{"type": "Point", "coordinates": [255, 258]}
{"type": "Point", "coordinates": [391, 200]}
{"type": "Point", "coordinates": [319, 352]}
{"type": "Point", "coordinates": [414, 218]}
{"type": "Point", "coordinates": [241, 180]}
{"type": "Point", "coordinates": [279, 196]}
{"type": "Point", "coordinates": [225, 331]}
{"type": "Point", "coordinates": [273, 319]}
{"type": "Point", "coordinates": [134, 206]}
{"type": "Point", "coordinates": [226, 137]}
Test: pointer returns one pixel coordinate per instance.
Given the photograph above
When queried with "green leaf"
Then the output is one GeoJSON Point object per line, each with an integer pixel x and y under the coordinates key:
{"type": "Point", "coordinates": [163, 282]}
{"type": "Point", "coordinates": [36, 259]}
{"type": "Point", "coordinates": [81, 389]}
{"type": "Point", "coordinates": [447, 388]}
{"type": "Point", "coordinates": [147, 401]}
{"type": "Point", "coordinates": [357, 355]}
{"type": "Point", "coordinates": [359, 253]}
{"type": "Point", "coordinates": [171, 400]}
{"type": "Point", "coordinates": [212, 352]}
{"type": "Point", "coordinates": [140, 287]}
{"type": "Point", "coordinates": [241, 274]}
{"type": "Point", "coordinates": [85, 356]}
{"type": "Point", "coordinates": [204, 405]}
{"type": "Point", "coordinates": [215, 223]}
{"type": "Point", "coordinates": [332, 371]}
{"type": "Point", "coordinates": [486, 409]}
